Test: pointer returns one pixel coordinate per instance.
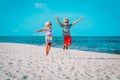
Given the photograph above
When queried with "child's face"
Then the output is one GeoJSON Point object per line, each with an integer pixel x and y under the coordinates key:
{"type": "Point", "coordinates": [66, 21]}
{"type": "Point", "coordinates": [49, 25]}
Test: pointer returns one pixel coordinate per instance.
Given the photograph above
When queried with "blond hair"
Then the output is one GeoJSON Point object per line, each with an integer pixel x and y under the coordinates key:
{"type": "Point", "coordinates": [66, 19]}
{"type": "Point", "coordinates": [48, 22]}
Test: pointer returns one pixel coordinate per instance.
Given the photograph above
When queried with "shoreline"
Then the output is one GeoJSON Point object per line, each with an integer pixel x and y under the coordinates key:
{"type": "Point", "coordinates": [93, 44]}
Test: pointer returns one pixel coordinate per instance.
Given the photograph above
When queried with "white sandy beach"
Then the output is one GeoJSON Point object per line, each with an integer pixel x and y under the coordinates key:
{"type": "Point", "coordinates": [28, 62]}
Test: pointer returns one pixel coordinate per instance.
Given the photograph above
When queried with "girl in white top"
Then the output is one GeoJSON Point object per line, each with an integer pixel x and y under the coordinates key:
{"type": "Point", "coordinates": [48, 38]}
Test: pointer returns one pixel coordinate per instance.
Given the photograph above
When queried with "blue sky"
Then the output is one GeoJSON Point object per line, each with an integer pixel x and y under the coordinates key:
{"type": "Point", "coordinates": [24, 17]}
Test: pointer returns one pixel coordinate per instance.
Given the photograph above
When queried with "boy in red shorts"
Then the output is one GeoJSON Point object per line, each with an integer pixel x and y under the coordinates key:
{"type": "Point", "coordinates": [66, 30]}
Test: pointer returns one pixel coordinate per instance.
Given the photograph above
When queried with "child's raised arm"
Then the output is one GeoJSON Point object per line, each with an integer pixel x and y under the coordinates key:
{"type": "Point", "coordinates": [57, 18]}
{"type": "Point", "coordinates": [77, 20]}
{"type": "Point", "coordinates": [41, 30]}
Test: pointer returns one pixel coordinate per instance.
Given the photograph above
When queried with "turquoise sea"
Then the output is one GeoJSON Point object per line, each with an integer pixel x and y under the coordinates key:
{"type": "Point", "coordinates": [109, 44]}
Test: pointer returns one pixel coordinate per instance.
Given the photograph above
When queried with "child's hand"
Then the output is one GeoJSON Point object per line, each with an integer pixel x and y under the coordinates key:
{"type": "Point", "coordinates": [57, 17]}
{"type": "Point", "coordinates": [81, 18]}
{"type": "Point", "coordinates": [38, 31]}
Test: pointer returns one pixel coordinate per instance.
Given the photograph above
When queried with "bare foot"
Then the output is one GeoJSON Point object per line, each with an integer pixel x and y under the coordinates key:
{"type": "Point", "coordinates": [64, 47]}
{"type": "Point", "coordinates": [46, 54]}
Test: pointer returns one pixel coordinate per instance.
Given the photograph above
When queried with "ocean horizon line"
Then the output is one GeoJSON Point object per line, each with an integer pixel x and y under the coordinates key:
{"type": "Point", "coordinates": [60, 36]}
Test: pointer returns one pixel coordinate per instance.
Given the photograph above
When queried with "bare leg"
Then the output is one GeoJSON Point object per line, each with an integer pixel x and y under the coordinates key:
{"type": "Point", "coordinates": [48, 49]}
{"type": "Point", "coordinates": [64, 47]}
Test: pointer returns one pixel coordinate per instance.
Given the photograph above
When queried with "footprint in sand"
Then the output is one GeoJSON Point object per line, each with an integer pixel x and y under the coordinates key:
{"type": "Point", "coordinates": [62, 62]}
{"type": "Point", "coordinates": [30, 63]}
{"type": "Point", "coordinates": [72, 68]}
{"type": "Point", "coordinates": [75, 75]}
{"type": "Point", "coordinates": [118, 77]}
{"type": "Point", "coordinates": [24, 77]}
{"type": "Point", "coordinates": [17, 71]}
{"type": "Point", "coordinates": [100, 79]}
{"type": "Point", "coordinates": [10, 63]}
{"type": "Point", "coordinates": [9, 74]}
{"type": "Point", "coordinates": [42, 71]}
{"type": "Point", "coordinates": [59, 69]}
{"type": "Point", "coordinates": [1, 65]}
{"type": "Point", "coordinates": [76, 79]}
{"type": "Point", "coordinates": [19, 62]}
{"type": "Point", "coordinates": [51, 71]}
{"type": "Point", "coordinates": [67, 77]}
{"type": "Point", "coordinates": [107, 77]}
{"type": "Point", "coordinates": [63, 74]}
{"type": "Point", "coordinates": [40, 76]}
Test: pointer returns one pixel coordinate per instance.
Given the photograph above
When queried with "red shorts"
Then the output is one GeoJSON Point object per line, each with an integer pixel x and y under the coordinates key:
{"type": "Point", "coordinates": [49, 43]}
{"type": "Point", "coordinates": [67, 40]}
